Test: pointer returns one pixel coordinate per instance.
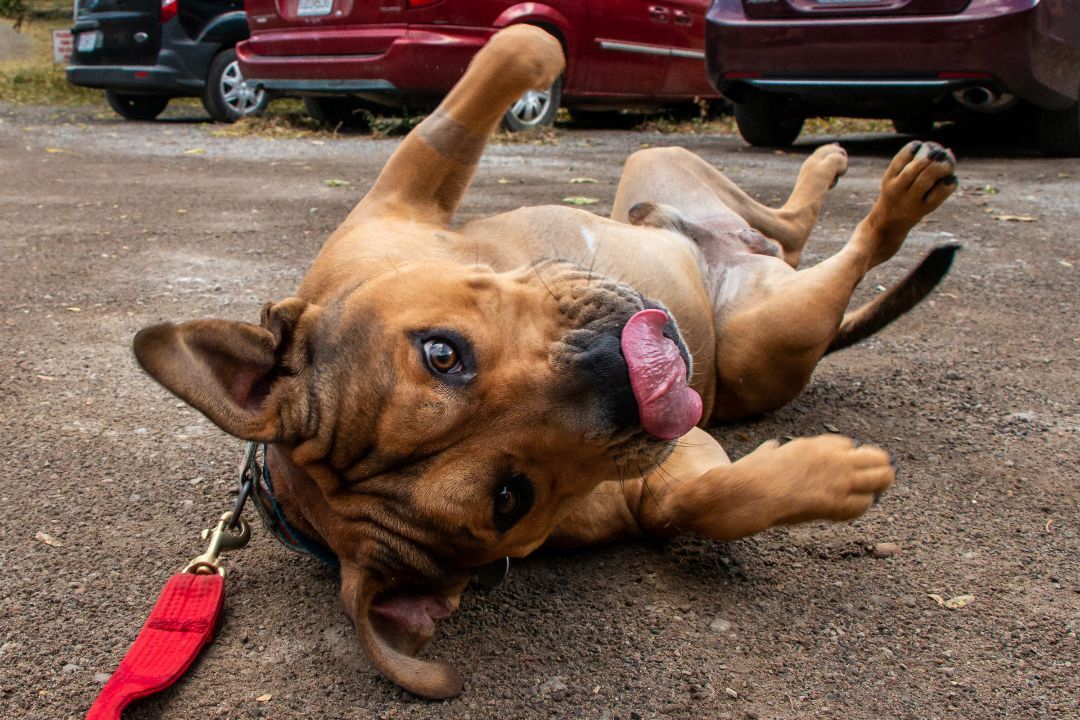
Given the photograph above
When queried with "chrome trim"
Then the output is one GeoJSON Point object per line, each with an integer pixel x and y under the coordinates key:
{"type": "Point", "coordinates": [324, 85]}
{"type": "Point", "coordinates": [651, 50]}
{"type": "Point", "coordinates": [849, 83]}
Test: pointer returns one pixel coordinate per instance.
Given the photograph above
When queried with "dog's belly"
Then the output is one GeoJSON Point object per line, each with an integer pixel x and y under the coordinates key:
{"type": "Point", "coordinates": [661, 264]}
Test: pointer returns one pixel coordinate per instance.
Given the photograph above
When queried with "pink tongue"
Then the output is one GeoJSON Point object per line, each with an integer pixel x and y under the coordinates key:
{"type": "Point", "coordinates": [667, 407]}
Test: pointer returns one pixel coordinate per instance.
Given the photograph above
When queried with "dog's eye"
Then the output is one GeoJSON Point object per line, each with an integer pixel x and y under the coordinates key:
{"type": "Point", "coordinates": [442, 356]}
{"type": "Point", "coordinates": [512, 500]}
{"type": "Point", "coordinates": [506, 501]}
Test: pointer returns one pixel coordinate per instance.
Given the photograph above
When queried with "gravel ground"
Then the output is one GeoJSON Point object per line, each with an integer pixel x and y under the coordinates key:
{"type": "Point", "coordinates": [108, 226]}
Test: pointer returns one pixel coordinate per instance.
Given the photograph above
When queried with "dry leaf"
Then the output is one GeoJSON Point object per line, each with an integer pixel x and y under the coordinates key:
{"type": "Point", "coordinates": [1015, 218]}
{"type": "Point", "coordinates": [503, 181]}
{"type": "Point", "coordinates": [264, 698]}
{"type": "Point", "coordinates": [959, 601]}
{"type": "Point", "coordinates": [336, 183]}
{"type": "Point", "coordinates": [195, 151]}
{"type": "Point", "coordinates": [1065, 263]}
{"type": "Point", "coordinates": [953, 603]}
{"type": "Point", "coordinates": [832, 428]}
{"type": "Point", "coordinates": [47, 539]}
{"type": "Point", "coordinates": [74, 309]}
{"type": "Point", "coordinates": [55, 150]}
{"type": "Point", "coordinates": [579, 200]}
{"type": "Point", "coordinates": [582, 181]}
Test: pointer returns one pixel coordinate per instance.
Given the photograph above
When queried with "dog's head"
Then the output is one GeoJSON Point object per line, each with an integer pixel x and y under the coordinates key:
{"type": "Point", "coordinates": [436, 418]}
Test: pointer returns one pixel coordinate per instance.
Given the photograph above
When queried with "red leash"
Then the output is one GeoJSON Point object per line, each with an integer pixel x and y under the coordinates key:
{"type": "Point", "coordinates": [181, 624]}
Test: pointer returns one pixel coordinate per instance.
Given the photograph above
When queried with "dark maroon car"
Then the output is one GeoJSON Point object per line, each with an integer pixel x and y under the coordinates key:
{"type": "Point", "coordinates": [914, 61]}
{"type": "Point", "coordinates": [341, 54]}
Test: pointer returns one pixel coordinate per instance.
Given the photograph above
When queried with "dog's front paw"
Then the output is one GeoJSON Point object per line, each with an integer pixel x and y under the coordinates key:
{"type": "Point", "coordinates": [828, 477]}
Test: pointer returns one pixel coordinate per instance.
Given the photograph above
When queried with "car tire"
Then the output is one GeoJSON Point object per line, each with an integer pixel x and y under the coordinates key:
{"type": "Point", "coordinates": [339, 112]}
{"type": "Point", "coordinates": [226, 97]}
{"type": "Point", "coordinates": [1058, 131]}
{"type": "Point", "coordinates": [136, 107]}
{"type": "Point", "coordinates": [768, 122]}
{"type": "Point", "coordinates": [534, 110]}
{"type": "Point", "coordinates": [913, 125]}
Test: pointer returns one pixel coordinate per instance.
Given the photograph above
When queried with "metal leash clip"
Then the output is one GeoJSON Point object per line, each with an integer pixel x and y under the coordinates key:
{"type": "Point", "coordinates": [222, 539]}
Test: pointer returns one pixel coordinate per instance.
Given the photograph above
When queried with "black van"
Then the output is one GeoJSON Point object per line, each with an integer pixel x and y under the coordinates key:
{"type": "Point", "coordinates": [144, 52]}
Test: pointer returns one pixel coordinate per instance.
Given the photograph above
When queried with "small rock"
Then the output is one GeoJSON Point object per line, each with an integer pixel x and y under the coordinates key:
{"type": "Point", "coordinates": [719, 625]}
{"type": "Point", "coordinates": [882, 601]}
{"type": "Point", "coordinates": [555, 686]}
{"type": "Point", "coordinates": [69, 668]}
{"type": "Point", "coordinates": [731, 693]}
{"type": "Point", "coordinates": [101, 678]}
{"type": "Point", "coordinates": [885, 550]}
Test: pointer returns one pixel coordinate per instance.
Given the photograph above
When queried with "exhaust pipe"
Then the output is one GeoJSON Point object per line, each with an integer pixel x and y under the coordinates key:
{"type": "Point", "coordinates": [983, 99]}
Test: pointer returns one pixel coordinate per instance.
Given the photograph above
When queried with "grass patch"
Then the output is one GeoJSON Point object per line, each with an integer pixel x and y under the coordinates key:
{"type": "Point", "coordinates": [35, 79]}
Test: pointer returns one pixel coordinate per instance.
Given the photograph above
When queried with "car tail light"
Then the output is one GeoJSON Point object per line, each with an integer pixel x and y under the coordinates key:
{"type": "Point", "coordinates": [169, 9]}
{"type": "Point", "coordinates": [421, 3]}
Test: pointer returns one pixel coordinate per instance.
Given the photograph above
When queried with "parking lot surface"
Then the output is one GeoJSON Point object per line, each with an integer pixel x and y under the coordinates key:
{"type": "Point", "coordinates": [106, 479]}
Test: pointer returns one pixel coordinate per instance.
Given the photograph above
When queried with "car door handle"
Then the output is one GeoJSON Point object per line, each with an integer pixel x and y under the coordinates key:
{"type": "Point", "coordinates": [683, 18]}
{"type": "Point", "coordinates": [658, 13]}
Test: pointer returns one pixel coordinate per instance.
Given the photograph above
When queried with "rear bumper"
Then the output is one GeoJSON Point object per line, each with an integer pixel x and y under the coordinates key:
{"type": "Point", "coordinates": [876, 57]}
{"type": "Point", "coordinates": [149, 79]}
{"type": "Point", "coordinates": [417, 62]}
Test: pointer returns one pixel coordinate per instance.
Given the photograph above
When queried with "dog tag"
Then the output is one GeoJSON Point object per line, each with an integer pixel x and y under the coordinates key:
{"type": "Point", "coordinates": [492, 574]}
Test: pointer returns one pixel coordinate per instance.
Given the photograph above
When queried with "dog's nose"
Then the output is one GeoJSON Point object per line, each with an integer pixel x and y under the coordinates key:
{"type": "Point", "coordinates": [605, 367]}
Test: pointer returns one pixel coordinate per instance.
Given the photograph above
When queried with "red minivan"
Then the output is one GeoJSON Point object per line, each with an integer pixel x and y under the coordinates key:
{"type": "Point", "coordinates": [342, 54]}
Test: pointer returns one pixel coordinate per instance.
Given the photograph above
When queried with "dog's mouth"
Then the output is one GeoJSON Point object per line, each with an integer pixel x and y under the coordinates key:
{"type": "Point", "coordinates": [668, 407]}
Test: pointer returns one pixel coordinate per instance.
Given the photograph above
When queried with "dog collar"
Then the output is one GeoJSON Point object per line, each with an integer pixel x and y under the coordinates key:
{"type": "Point", "coordinates": [273, 518]}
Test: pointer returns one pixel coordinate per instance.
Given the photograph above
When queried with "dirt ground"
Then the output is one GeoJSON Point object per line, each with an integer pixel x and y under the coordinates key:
{"type": "Point", "coordinates": [108, 226]}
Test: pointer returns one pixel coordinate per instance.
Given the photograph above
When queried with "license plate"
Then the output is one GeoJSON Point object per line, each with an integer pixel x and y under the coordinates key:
{"type": "Point", "coordinates": [88, 41]}
{"type": "Point", "coordinates": [310, 8]}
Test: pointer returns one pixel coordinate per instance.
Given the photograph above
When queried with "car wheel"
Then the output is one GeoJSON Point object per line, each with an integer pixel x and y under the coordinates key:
{"type": "Point", "coordinates": [227, 97]}
{"type": "Point", "coordinates": [768, 122]}
{"type": "Point", "coordinates": [136, 107]}
{"type": "Point", "coordinates": [339, 112]}
{"type": "Point", "coordinates": [1058, 131]}
{"type": "Point", "coordinates": [535, 109]}
{"type": "Point", "coordinates": [913, 125]}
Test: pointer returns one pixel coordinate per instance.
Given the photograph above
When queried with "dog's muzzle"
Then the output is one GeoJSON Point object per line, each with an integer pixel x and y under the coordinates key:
{"type": "Point", "coordinates": [641, 369]}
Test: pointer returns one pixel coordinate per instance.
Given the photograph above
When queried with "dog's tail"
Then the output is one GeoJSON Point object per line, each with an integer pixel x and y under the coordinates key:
{"type": "Point", "coordinates": [873, 316]}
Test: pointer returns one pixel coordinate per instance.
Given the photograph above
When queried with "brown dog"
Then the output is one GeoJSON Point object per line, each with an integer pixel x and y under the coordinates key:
{"type": "Point", "coordinates": [438, 399]}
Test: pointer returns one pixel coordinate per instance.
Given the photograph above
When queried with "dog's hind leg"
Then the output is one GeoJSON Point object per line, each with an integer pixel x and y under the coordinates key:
{"type": "Point", "coordinates": [774, 324]}
{"type": "Point", "coordinates": [697, 490]}
{"type": "Point", "coordinates": [706, 197]}
{"type": "Point", "coordinates": [429, 172]}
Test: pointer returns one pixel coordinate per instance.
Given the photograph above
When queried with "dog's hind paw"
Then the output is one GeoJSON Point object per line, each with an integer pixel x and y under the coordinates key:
{"type": "Point", "coordinates": [919, 179]}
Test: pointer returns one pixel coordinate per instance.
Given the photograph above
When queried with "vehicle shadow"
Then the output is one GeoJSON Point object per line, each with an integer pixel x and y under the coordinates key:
{"type": "Point", "coordinates": [991, 140]}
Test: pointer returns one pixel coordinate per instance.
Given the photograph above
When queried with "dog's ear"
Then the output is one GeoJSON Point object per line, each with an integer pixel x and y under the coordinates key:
{"type": "Point", "coordinates": [249, 380]}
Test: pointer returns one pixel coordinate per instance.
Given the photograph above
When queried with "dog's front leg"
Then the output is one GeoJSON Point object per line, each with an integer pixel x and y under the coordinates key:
{"type": "Point", "coordinates": [428, 174]}
{"type": "Point", "coordinates": [697, 490]}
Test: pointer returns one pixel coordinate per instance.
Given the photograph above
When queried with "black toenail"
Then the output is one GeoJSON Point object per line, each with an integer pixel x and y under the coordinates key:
{"type": "Point", "coordinates": [877, 498]}
{"type": "Point", "coordinates": [937, 155]}
{"type": "Point", "coordinates": [915, 146]}
{"type": "Point", "coordinates": [894, 464]}
{"type": "Point", "coordinates": [951, 180]}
